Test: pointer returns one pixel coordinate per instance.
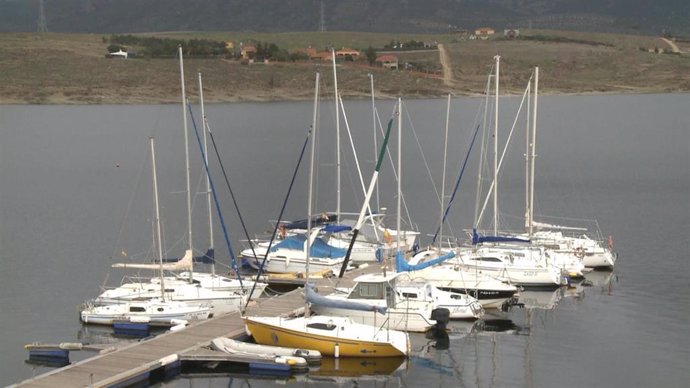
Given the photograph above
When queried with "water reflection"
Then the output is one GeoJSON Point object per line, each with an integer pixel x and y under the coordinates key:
{"type": "Point", "coordinates": [603, 280]}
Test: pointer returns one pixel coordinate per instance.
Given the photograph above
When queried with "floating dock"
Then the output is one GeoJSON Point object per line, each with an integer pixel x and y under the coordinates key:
{"type": "Point", "coordinates": [162, 354]}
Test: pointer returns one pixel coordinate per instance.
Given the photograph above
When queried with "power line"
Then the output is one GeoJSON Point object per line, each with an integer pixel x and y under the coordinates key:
{"type": "Point", "coordinates": [41, 25]}
{"type": "Point", "coordinates": [322, 19]}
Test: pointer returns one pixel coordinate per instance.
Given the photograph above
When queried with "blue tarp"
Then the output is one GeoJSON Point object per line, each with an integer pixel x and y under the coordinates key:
{"type": "Point", "coordinates": [314, 298]}
{"type": "Point", "coordinates": [402, 266]}
{"type": "Point", "coordinates": [336, 228]}
{"type": "Point", "coordinates": [477, 239]}
{"type": "Point", "coordinates": [319, 248]}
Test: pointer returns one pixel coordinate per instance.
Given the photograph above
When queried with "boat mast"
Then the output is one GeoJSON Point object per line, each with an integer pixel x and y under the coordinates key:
{"type": "Point", "coordinates": [527, 151]}
{"type": "Point", "coordinates": [307, 246]}
{"type": "Point", "coordinates": [204, 126]}
{"type": "Point", "coordinates": [482, 157]}
{"type": "Point", "coordinates": [186, 153]}
{"type": "Point", "coordinates": [443, 176]}
{"type": "Point", "coordinates": [337, 138]}
{"type": "Point", "coordinates": [534, 155]}
{"type": "Point", "coordinates": [398, 226]}
{"type": "Point", "coordinates": [495, 193]}
{"type": "Point", "coordinates": [376, 147]}
{"type": "Point", "coordinates": [158, 216]}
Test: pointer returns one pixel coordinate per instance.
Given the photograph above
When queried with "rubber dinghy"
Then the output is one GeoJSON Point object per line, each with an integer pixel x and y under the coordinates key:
{"type": "Point", "coordinates": [232, 346]}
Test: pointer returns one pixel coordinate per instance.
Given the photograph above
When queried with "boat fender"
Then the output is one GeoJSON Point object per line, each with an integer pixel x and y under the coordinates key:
{"type": "Point", "coordinates": [336, 351]}
{"type": "Point", "coordinates": [177, 328]}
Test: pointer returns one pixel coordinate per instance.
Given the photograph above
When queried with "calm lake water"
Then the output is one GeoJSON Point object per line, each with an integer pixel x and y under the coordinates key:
{"type": "Point", "coordinates": [75, 195]}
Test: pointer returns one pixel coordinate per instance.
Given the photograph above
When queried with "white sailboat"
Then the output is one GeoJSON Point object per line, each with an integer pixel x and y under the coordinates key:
{"type": "Point", "coordinates": [156, 308]}
{"type": "Point", "coordinates": [488, 290]}
{"type": "Point", "coordinates": [387, 303]}
{"type": "Point", "coordinates": [221, 293]}
{"type": "Point", "coordinates": [287, 256]}
{"type": "Point", "coordinates": [500, 255]}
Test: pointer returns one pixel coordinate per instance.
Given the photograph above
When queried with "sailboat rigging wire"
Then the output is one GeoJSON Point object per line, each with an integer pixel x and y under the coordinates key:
{"type": "Point", "coordinates": [492, 187]}
{"type": "Point", "coordinates": [215, 197]}
{"type": "Point", "coordinates": [124, 218]}
{"type": "Point", "coordinates": [282, 210]}
{"type": "Point", "coordinates": [457, 184]}
{"type": "Point", "coordinates": [207, 128]}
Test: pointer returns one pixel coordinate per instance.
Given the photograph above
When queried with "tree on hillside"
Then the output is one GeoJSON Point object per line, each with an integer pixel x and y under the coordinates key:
{"type": "Point", "coordinates": [371, 55]}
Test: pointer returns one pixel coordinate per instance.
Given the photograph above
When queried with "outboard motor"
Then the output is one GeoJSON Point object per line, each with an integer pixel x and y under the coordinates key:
{"type": "Point", "coordinates": [438, 332]}
{"type": "Point", "coordinates": [441, 316]}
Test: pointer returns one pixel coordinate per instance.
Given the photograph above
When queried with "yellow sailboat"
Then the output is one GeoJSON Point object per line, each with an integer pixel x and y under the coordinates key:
{"type": "Point", "coordinates": [332, 336]}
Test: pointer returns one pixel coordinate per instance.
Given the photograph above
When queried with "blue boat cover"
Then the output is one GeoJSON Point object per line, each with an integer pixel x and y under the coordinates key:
{"type": "Point", "coordinates": [401, 264]}
{"type": "Point", "coordinates": [319, 248]}
{"type": "Point", "coordinates": [336, 228]}
{"type": "Point", "coordinates": [477, 239]}
{"type": "Point", "coordinates": [314, 298]}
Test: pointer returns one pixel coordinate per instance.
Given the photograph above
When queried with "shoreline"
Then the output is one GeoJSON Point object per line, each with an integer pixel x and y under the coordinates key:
{"type": "Point", "coordinates": [98, 100]}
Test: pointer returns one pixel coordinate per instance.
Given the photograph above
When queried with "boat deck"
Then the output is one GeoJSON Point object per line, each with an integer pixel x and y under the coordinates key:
{"type": "Point", "coordinates": [130, 362]}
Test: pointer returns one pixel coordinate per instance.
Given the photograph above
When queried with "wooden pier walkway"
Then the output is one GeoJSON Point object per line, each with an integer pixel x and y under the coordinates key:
{"type": "Point", "coordinates": [125, 364]}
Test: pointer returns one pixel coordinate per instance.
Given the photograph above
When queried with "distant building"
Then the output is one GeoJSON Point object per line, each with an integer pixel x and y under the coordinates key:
{"type": "Point", "coordinates": [118, 54]}
{"type": "Point", "coordinates": [511, 34]}
{"type": "Point", "coordinates": [322, 56]}
{"type": "Point", "coordinates": [248, 51]}
{"type": "Point", "coordinates": [344, 52]}
{"type": "Point", "coordinates": [484, 32]}
{"type": "Point", "coordinates": [388, 61]}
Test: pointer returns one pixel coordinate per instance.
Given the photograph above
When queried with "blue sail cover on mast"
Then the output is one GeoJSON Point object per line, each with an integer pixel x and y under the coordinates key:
{"type": "Point", "coordinates": [401, 264]}
{"type": "Point", "coordinates": [314, 298]}
{"type": "Point", "coordinates": [477, 239]}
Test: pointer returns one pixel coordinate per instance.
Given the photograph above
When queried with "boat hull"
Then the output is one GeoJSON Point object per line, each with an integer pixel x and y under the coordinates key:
{"type": "Point", "coordinates": [350, 346]}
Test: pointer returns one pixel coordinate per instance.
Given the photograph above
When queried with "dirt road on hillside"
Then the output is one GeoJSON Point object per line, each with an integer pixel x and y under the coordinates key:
{"type": "Point", "coordinates": [446, 64]}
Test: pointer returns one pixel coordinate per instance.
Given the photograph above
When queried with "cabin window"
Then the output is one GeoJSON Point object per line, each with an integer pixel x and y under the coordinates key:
{"type": "Point", "coordinates": [367, 291]}
{"type": "Point", "coordinates": [490, 259]}
{"type": "Point", "coordinates": [169, 290]}
{"type": "Point", "coordinates": [321, 326]}
{"type": "Point", "coordinates": [160, 309]}
{"type": "Point", "coordinates": [409, 295]}
{"type": "Point", "coordinates": [136, 309]}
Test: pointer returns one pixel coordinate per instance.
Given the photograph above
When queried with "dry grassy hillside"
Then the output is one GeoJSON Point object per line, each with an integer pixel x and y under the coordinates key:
{"type": "Point", "coordinates": [72, 68]}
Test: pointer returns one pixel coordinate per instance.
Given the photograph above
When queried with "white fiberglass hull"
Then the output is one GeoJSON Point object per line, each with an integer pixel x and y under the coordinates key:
{"type": "Point", "coordinates": [460, 306]}
{"type": "Point", "coordinates": [153, 311]}
{"type": "Point", "coordinates": [220, 302]}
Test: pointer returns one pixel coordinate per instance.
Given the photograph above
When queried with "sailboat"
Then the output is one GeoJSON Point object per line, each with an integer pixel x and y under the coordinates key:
{"type": "Point", "coordinates": [377, 293]}
{"type": "Point", "coordinates": [222, 294]}
{"type": "Point", "coordinates": [489, 291]}
{"type": "Point", "coordinates": [287, 256]}
{"type": "Point", "coordinates": [336, 336]}
{"type": "Point", "coordinates": [508, 257]}
{"type": "Point", "coordinates": [156, 309]}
